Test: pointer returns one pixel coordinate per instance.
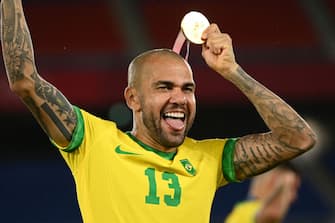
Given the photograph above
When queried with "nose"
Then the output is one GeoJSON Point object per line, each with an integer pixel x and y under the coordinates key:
{"type": "Point", "coordinates": [178, 97]}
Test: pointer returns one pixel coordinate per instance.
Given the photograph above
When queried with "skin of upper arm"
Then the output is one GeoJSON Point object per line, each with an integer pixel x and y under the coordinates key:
{"type": "Point", "coordinates": [257, 153]}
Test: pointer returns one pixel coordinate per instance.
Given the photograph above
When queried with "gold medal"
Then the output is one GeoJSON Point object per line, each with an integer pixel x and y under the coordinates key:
{"type": "Point", "coordinates": [193, 25]}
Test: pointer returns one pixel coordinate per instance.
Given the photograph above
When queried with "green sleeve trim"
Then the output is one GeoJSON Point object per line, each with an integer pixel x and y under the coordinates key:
{"type": "Point", "coordinates": [228, 160]}
{"type": "Point", "coordinates": [78, 133]}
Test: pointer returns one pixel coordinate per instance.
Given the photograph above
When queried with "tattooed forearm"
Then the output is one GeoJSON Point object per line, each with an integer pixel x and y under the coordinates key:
{"type": "Point", "coordinates": [16, 42]}
{"type": "Point", "coordinates": [250, 86]}
{"type": "Point", "coordinates": [247, 85]}
{"type": "Point", "coordinates": [284, 122]}
{"type": "Point", "coordinates": [50, 108]}
{"type": "Point", "coordinates": [288, 137]}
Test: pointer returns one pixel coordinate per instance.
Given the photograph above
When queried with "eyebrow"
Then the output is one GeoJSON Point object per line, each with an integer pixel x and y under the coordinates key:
{"type": "Point", "coordinates": [170, 83]}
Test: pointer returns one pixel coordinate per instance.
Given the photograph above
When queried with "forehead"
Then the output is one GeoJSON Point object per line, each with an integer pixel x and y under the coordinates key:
{"type": "Point", "coordinates": [168, 68]}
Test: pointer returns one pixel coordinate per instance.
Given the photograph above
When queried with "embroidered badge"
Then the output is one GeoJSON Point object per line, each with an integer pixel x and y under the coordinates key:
{"type": "Point", "coordinates": [188, 167]}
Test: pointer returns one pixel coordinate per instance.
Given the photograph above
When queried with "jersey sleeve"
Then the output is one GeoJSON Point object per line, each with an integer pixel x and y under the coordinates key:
{"type": "Point", "coordinates": [228, 169]}
{"type": "Point", "coordinates": [77, 135]}
{"type": "Point", "coordinates": [220, 154]}
{"type": "Point", "coordinates": [244, 211]}
{"type": "Point", "coordinates": [89, 129]}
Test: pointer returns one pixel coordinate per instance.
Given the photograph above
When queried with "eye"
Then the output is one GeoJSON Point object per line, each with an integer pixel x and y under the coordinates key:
{"type": "Point", "coordinates": [189, 89]}
{"type": "Point", "coordinates": [164, 86]}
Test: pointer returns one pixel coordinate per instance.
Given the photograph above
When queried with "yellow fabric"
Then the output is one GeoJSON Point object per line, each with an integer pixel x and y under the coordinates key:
{"type": "Point", "coordinates": [119, 181]}
{"type": "Point", "coordinates": [244, 212]}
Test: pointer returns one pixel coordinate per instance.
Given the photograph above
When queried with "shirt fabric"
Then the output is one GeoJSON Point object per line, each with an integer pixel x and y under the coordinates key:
{"type": "Point", "coordinates": [244, 212]}
{"type": "Point", "coordinates": [120, 179]}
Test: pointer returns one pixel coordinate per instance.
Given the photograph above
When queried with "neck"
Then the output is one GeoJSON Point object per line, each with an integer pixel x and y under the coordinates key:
{"type": "Point", "coordinates": [147, 140]}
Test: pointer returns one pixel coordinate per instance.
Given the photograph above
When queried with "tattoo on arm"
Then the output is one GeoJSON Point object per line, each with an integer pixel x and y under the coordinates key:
{"type": "Point", "coordinates": [19, 61]}
{"type": "Point", "coordinates": [254, 155]}
{"type": "Point", "coordinates": [16, 41]}
{"type": "Point", "coordinates": [283, 121]}
{"type": "Point", "coordinates": [257, 153]}
{"type": "Point", "coordinates": [30, 103]}
{"type": "Point", "coordinates": [57, 122]}
{"type": "Point", "coordinates": [55, 99]}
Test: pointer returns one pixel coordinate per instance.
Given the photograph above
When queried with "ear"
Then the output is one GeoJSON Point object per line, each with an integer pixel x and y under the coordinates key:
{"type": "Point", "coordinates": [131, 97]}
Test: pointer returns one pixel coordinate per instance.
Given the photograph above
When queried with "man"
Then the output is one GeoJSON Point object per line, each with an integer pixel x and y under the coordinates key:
{"type": "Point", "coordinates": [153, 173]}
{"type": "Point", "coordinates": [270, 196]}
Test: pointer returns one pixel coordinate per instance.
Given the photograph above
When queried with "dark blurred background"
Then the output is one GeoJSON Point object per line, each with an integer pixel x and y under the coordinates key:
{"type": "Point", "coordinates": [84, 47]}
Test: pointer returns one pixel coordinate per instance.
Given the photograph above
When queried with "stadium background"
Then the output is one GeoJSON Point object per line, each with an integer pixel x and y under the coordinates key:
{"type": "Point", "coordinates": [84, 47]}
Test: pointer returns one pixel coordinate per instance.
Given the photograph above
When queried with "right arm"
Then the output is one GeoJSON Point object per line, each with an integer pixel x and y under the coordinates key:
{"type": "Point", "coordinates": [47, 104]}
{"type": "Point", "coordinates": [289, 134]}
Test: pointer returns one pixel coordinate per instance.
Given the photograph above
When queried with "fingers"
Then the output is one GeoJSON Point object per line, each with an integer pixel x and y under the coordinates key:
{"type": "Point", "coordinates": [215, 41]}
{"type": "Point", "coordinates": [213, 28]}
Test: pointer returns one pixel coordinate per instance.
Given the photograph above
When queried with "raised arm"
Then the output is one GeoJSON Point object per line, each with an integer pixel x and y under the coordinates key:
{"type": "Point", "coordinates": [50, 108]}
{"type": "Point", "coordinates": [289, 134]}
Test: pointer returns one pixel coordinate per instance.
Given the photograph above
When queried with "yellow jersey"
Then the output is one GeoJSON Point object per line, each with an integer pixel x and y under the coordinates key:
{"type": "Point", "coordinates": [121, 180]}
{"type": "Point", "coordinates": [244, 212]}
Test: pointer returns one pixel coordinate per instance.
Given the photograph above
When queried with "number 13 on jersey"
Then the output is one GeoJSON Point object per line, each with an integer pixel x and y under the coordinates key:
{"type": "Point", "coordinates": [172, 183]}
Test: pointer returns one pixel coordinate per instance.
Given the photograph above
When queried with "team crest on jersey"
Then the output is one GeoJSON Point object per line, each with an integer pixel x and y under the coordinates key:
{"type": "Point", "coordinates": [188, 167]}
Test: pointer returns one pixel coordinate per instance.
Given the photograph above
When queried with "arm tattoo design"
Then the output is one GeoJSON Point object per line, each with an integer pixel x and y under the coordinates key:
{"type": "Point", "coordinates": [55, 119]}
{"type": "Point", "coordinates": [17, 44]}
{"type": "Point", "coordinates": [56, 100]}
{"type": "Point", "coordinates": [259, 152]}
{"type": "Point", "coordinates": [30, 103]}
{"type": "Point", "coordinates": [278, 116]}
{"type": "Point", "coordinates": [19, 62]}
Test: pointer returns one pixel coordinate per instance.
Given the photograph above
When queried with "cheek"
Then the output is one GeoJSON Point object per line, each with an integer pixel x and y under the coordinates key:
{"type": "Point", "coordinates": [152, 104]}
{"type": "Point", "coordinates": [192, 103]}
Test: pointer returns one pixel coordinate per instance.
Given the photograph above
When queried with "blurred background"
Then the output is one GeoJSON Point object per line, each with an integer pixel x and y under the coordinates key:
{"type": "Point", "coordinates": [84, 47]}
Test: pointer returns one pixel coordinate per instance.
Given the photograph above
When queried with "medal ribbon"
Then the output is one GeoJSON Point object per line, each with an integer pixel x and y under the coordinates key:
{"type": "Point", "coordinates": [179, 43]}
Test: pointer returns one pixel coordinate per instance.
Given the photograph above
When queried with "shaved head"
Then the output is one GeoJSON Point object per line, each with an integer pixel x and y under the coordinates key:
{"type": "Point", "coordinates": [138, 66]}
{"type": "Point", "coordinates": [161, 94]}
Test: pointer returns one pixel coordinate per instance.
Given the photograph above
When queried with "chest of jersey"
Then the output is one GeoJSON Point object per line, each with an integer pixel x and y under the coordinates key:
{"type": "Point", "coordinates": [121, 180]}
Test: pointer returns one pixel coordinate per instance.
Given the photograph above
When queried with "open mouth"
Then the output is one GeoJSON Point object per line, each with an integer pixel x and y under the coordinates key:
{"type": "Point", "coordinates": [176, 120]}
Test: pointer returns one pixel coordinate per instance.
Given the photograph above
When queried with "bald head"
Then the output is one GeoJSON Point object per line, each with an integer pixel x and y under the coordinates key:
{"type": "Point", "coordinates": [140, 64]}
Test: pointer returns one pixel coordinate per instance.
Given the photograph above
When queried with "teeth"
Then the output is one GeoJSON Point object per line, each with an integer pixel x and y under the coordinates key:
{"type": "Point", "coordinates": [174, 115]}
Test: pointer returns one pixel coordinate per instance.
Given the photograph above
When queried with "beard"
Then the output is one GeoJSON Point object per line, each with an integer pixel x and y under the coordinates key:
{"type": "Point", "coordinates": [164, 138]}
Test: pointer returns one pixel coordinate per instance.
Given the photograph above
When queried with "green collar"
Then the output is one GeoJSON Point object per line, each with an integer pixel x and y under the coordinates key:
{"type": "Point", "coordinates": [165, 155]}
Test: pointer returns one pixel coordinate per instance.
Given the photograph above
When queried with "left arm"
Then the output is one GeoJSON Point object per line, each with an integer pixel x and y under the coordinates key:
{"type": "Point", "coordinates": [289, 134]}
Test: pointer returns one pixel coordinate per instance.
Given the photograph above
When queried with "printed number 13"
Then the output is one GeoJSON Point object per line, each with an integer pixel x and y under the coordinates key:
{"type": "Point", "coordinates": [173, 183]}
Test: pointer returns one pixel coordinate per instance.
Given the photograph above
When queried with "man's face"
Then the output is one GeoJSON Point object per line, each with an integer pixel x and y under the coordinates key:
{"type": "Point", "coordinates": [167, 101]}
